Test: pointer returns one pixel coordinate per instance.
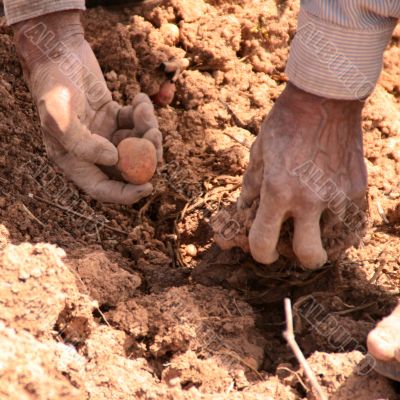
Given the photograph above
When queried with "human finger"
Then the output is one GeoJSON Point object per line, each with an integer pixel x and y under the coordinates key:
{"type": "Point", "coordinates": [307, 243]}
{"type": "Point", "coordinates": [60, 122]}
{"type": "Point", "coordinates": [265, 230]}
{"type": "Point", "coordinates": [99, 186]}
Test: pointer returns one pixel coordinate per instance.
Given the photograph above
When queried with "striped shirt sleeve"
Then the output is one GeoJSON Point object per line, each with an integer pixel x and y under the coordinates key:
{"type": "Point", "coordinates": [21, 10]}
{"type": "Point", "coordinates": [338, 48]}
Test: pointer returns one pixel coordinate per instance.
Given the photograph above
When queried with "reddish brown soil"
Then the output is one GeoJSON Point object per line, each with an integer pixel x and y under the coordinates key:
{"type": "Point", "coordinates": [147, 307]}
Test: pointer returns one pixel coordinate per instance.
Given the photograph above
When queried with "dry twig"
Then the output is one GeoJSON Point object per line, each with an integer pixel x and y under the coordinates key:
{"type": "Point", "coordinates": [290, 338]}
{"type": "Point", "coordinates": [381, 212]}
{"type": "Point", "coordinates": [296, 374]}
{"type": "Point", "coordinates": [379, 270]}
{"type": "Point", "coordinates": [227, 351]}
{"type": "Point", "coordinates": [31, 215]}
{"type": "Point", "coordinates": [229, 390]}
{"type": "Point", "coordinates": [236, 119]}
{"type": "Point", "coordinates": [96, 307]}
{"type": "Point", "coordinates": [354, 309]}
{"type": "Point", "coordinates": [244, 143]}
{"type": "Point", "coordinates": [69, 211]}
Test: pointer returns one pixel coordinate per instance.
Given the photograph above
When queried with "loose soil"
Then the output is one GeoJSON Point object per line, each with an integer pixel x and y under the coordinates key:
{"type": "Point", "coordinates": [99, 301]}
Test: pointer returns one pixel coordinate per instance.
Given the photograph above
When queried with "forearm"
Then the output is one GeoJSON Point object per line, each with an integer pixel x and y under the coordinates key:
{"type": "Point", "coordinates": [338, 49]}
{"type": "Point", "coordinates": [21, 10]}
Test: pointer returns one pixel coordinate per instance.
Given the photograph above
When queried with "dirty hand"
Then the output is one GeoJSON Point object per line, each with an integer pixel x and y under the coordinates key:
{"type": "Point", "coordinates": [80, 121]}
{"type": "Point", "coordinates": [307, 158]}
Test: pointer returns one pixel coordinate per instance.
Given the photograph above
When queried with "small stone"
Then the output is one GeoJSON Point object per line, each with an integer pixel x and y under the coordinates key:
{"type": "Point", "coordinates": [15, 289]}
{"type": "Point", "coordinates": [123, 79]}
{"type": "Point", "coordinates": [23, 276]}
{"type": "Point", "coordinates": [191, 250]}
{"type": "Point", "coordinates": [229, 327]}
{"type": "Point", "coordinates": [111, 76]}
{"type": "Point", "coordinates": [36, 273]}
{"type": "Point", "coordinates": [170, 33]}
{"type": "Point", "coordinates": [174, 382]}
{"type": "Point", "coordinates": [3, 202]}
{"type": "Point", "coordinates": [241, 381]}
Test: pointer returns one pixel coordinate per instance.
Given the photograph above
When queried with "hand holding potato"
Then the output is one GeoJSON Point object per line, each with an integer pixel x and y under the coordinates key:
{"type": "Point", "coordinates": [81, 123]}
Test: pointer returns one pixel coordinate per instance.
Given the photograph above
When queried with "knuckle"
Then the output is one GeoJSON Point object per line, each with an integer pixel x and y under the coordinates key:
{"type": "Point", "coordinates": [144, 118]}
{"type": "Point", "coordinates": [141, 98]}
{"type": "Point", "coordinates": [278, 188]}
{"type": "Point", "coordinates": [144, 109]}
{"type": "Point", "coordinates": [311, 198]}
{"type": "Point", "coordinates": [155, 136]}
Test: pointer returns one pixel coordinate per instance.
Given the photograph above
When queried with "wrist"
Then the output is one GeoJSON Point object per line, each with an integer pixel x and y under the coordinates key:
{"type": "Point", "coordinates": [42, 37]}
{"type": "Point", "coordinates": [293, 96]}
{"type": "Point", "coordinates": [325, 57]}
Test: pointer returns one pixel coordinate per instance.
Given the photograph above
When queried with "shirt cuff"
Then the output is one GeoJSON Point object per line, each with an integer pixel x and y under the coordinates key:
{"type": "Point", "coordinates": [335, 62]}
{"type": "Point", "coordinates": [22, 10]}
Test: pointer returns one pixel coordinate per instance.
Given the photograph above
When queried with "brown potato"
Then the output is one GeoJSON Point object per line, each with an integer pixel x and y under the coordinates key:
{"type": "Point", "coordinates": [137, 160]}
{"type": "Point", "coordinates": [166, 94]}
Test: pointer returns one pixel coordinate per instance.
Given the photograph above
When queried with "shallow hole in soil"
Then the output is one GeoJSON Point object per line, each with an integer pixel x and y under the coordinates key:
{"type": "Point", "coordinates": [186, 385]}
{"type": "Point", "coordinates": [300, 389]}
{"type": "Point", "coordinates": [71, 337]}
{"type": "Point", "coordinates": [98, 313]}
{"type": "Point", "coordinates": [159, 364]}
{"type": "Point", "coordinates": [396, 386]}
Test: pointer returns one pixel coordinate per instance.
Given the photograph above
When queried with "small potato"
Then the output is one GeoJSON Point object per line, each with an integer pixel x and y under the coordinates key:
{"type": "Point", "coordinates": [137, 160]}
{"type": "Point", "coordinates": [166, 94]}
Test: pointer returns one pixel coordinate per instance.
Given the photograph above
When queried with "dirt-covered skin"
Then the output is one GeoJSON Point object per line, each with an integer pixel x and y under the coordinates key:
{"type": "Point", "coordinates": [307, 160]}
{"type": "Point", "coordinates": [383, 341]}
{"type": "Point", "coordinates": [143, 304]}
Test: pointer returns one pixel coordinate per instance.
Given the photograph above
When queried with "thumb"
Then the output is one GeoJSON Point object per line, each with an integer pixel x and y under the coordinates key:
{"type": "Point", "coordinates": [90, 147]}
{"type": "Point", "coordinates": [64, 125]}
